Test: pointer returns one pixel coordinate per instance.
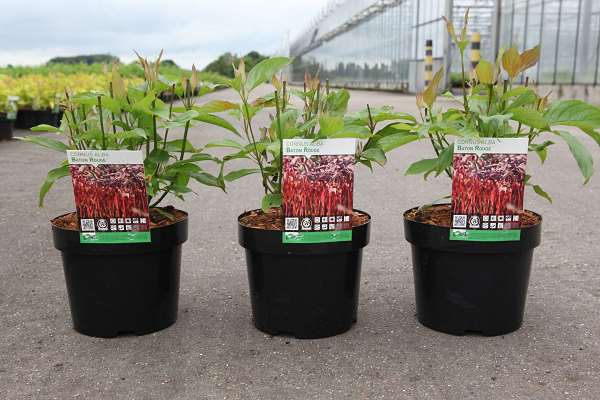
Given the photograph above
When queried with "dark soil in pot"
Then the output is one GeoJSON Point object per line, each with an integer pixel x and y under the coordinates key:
{"type": "Point", "coordinates": [6, 128]}
{"type": "Point", "coordinates": [469, 287]}
{"type": "Point", "coordinates": [121, 289]}
{"type": "Point", "coordinates": [300, 289]}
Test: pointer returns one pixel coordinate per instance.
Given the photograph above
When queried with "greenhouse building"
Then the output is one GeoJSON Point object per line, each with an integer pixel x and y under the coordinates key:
{"type": "Point", "coordinates": [381, 44]}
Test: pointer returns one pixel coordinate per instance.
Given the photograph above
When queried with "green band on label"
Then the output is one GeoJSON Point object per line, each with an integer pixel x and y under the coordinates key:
{"type": "Point", "coordinates": [476, 235]}
{"type": "Point", "coordinates": [317, 237]}
{"type": "Point", "coordinates": [114, 237]}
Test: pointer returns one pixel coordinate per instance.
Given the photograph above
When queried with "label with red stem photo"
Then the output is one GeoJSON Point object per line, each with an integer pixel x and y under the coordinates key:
{"type": "Point", "coordinates": [317, 186]}
{"type": "Point", "coordinates": [110, 196]}
{"type": "Point", "coordinates": [487, 189]}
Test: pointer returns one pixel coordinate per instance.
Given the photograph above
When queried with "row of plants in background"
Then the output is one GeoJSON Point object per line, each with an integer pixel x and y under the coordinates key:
{"type": "Point", "coordinates": [40, 89]}
{"type": "Point", "coordinates": [130, 287]}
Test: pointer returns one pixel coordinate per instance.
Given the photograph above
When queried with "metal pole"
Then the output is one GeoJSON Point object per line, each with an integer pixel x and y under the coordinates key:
{"type": "Point", "coordinates": [597, 55]}
{"type": "Point", "coordinates": [560, 4]}
{"type": "Point", "coordinates": [475, 49]}
{"type": "Point", "coordinates": [537, 75]}
{"type": "Point", "coordinates": [512, 23]}
{"type": "Point", "coordinates": [576, 43]}
{"type": "Point", "coordinates": [447, 60]}
{"type": "Point", "coordinates": [428, 61]}
{"type": "Point", "coordinates": [417, 32]}
{"type": "Point", "coordinates": [525, 29]}
{"type": "Point", "coordinates": [497, 24]}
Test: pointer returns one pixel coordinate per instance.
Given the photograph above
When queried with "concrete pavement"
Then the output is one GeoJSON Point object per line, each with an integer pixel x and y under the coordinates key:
{"type": "Point", "coordinates": [214, 352]}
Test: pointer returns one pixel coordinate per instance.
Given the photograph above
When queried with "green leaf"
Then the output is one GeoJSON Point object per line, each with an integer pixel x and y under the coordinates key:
{"type": "Point", "coordinates": [217, 121]}
{"type": "Point", "coordinates": [352, 131]}
{"type": "Point", "coordinates": [263, 71]}
{"type": "Point", "coordinates": [528, 97]}
{"type": "Point", "coordinates": [175, 146]}
{"type": "Point", "coordinates": [233, 175]}
{"type": "Point", "coordinates": [575, 113]}
{"type": "Point", "coordinates": [541, 149]}
{"type": "Point", "coordinates": [45, 128]}
{"type": "Point", "coordinates": [444, 159]}
{"type": "Point", "coordinates": [53, 176]}
{"type": "Point", "coordinates": [529, 117]}
{"type": "Point", "coordinates": [158, 156]}
{"type": "Point", "coordinates": [541, 192]}
{"type": "Point", "coordinates": [375, 154]}
{"type": "Point", "coordinates": [111, 104]}
{"type": "Point", "coordinates": [336, 102]}
{"type": "Point", "coordinates": [137, 133]}
{"type": "Point", "coordinates": [225, 143]}
{"type": "Point", "coordinates": [196, 157]}
{"type": "Point", "coordinates": [584, 159]}
{"type": "Point", "coordinates": [593, 134]}
{"type": "Point", "coordinates": [422, 166]}
{"type": "Point", "coordinates": [240, 154]}
{"type": "Point", "coordinates": [395, 140]}
{"type": "Point", "coordinates": [185, 116]}
{"type": "Point", "coordinates": [271, 200]}
{"type": "Point", "coordinates": [518, 91]}
{"type": "Point", "coordinates": [48, 143]}
{"type": "Point", "coordinates": [144, 104]}
{"type": "Point", "coordinates": [329, 125]}
{"type": "Point", "coordinates": [207, 179]}
{"type": "Point", "coordinates": [216, 106]}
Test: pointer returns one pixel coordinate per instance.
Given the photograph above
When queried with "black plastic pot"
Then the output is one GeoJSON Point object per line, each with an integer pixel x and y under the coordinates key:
{"type": "Point", "coordinates": [6, 128]}
{"type": "Point", "coordinates": [27, 119]}
{"type": "Point", "coordinates": [304, 290]}
{"type": "Point", "coordinates": [466, 287]}
{"type": "Point", "coordinates": [119, 289]}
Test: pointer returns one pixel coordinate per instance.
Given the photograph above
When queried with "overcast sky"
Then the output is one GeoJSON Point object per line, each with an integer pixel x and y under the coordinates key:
{"type": "Point", "coordinates": [31, 32]}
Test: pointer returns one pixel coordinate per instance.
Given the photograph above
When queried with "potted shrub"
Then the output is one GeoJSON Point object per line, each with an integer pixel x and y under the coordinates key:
{"type": "Point", "coordinates": [306, 290]}
{"type": "Point", "coordinates": [481, 286]}
{"type": "Point", "coordinates": [129, 287]}
{"type": "Point", "coordinates": [8, 114]}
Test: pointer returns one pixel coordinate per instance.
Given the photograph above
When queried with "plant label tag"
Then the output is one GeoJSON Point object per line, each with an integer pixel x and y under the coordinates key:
{"type": "Point", "coordinates": [110, 196]}
{"type": "Point", "coordinates": [317, 186]}
{"type": "Point", "coordinates": [487, 189]}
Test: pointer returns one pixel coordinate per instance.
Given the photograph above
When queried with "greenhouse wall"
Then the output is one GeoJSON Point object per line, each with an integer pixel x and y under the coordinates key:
{"type": "Point", "coordinates": [381, 44]}
{"type": "Point", "coordinates": [568, 32]}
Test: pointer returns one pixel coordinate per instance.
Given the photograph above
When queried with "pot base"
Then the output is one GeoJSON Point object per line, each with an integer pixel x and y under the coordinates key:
{"type": "Point", "coordinates": [462, 294]}
{"type": "Point", "coordinates": [306, 297]}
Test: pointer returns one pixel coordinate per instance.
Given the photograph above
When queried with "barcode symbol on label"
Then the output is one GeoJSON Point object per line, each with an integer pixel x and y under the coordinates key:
{"type": "Point", "coordinates": [459, 221]}
{"type": "Point", "coordinates": [87, 225]}
{"type": "Point", "coordinates": [291, 224]}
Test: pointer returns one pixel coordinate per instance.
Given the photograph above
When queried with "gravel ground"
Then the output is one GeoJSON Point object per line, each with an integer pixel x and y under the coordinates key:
{"type": "Point", "coordinates": [214, 352]}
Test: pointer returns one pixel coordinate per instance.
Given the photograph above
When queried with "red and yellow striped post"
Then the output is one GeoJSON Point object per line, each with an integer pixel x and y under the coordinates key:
{"type": "Point", "coordinates": [428, 61]}
{"type": "Point", "coordinates": [475, 49]}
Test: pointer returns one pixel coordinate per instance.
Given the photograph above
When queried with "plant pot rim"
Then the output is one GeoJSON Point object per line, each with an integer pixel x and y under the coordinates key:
{"type": "Point", "coordinates": [242, 215]}
{"type": "Point", "coordinates": [269, 241]}
{"type": "Point", "coordinates": [54, 226]}
{"type": "Point", "coordinates": [161, 237]}
{"type": "Point", "coordinates": [539, 216]}
{"type": "Point", "coordinates": [437, 237]}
